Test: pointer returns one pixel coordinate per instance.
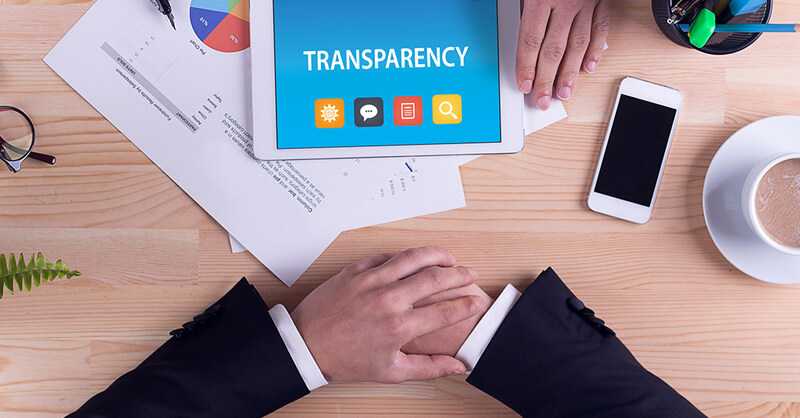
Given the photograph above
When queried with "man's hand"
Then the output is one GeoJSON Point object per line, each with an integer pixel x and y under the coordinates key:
{"type": "Point", "coordinates": [558, 38]}
{"type": "Point", "coordinates": [356, 323]}
{"type": "Point", "coordinates": [449, 340]}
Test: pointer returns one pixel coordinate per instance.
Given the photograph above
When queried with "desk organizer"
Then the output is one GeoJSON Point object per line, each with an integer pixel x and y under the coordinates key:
{"type": "Point", "coordinates": [720, 43]}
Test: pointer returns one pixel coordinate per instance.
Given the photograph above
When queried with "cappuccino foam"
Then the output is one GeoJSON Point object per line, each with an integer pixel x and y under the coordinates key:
{"type": "Point", "coordinates": [778, 203]}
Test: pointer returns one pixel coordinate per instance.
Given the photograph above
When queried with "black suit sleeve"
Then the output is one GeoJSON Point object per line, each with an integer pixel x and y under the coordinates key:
{"type": "Point", "coordinates": [552, 357]}
{"type": "Point", "coordinates": [230, 361]}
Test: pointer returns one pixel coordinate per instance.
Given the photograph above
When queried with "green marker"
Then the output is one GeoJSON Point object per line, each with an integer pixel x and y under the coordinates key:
{"type": "Point", "coordinates": [703, 27]}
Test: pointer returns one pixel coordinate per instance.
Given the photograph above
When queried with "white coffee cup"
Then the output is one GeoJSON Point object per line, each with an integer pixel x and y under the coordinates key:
{"type": "Point", "coordinates": [750, 200]}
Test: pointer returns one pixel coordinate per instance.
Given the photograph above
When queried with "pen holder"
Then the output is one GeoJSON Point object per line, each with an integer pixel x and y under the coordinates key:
{"type": "Point", "coordinates": [720, 43]}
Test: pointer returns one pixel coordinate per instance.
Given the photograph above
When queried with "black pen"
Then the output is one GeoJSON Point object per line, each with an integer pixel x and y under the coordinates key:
{"type": "Point", "coordinates": [165, 9]}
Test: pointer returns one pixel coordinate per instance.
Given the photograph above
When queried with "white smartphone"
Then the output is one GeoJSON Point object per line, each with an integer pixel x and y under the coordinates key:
{"type": "Point", "coordinates": [635, 150]}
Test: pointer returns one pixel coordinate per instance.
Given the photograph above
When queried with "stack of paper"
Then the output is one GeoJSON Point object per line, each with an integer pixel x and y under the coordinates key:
{"type": "Point", "coordinates": [188, 109]}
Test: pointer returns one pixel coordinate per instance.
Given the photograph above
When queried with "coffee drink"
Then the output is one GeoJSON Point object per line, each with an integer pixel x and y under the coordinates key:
{"type": "Point", "coordinates": [778, 203]}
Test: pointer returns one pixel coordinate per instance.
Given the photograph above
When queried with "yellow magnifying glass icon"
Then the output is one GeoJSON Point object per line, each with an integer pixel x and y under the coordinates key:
{"type": "Point", "coordinates": [446, 108]}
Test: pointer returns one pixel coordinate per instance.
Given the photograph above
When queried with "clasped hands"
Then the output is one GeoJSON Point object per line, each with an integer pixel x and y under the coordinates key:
{"type": "Point", "coordinates": [392, 318]}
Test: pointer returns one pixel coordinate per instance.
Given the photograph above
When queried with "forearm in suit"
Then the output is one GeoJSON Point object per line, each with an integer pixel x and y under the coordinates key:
{"type": "Point", "coordinates": [228, 362]}
{"type": "Point", "coordinates": [551, 357]}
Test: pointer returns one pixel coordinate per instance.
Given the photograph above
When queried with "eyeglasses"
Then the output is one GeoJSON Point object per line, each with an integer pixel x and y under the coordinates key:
{"type": "Point", "coordinates": [17, 136]}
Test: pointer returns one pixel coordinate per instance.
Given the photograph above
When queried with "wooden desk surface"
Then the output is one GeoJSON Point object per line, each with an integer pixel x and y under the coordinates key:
{"type": "Point", "coordinates": [152, 258]}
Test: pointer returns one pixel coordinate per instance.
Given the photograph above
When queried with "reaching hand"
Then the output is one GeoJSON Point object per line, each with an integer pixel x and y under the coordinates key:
{"type": "Point", "coordinates": [449, 340]}
{"type": "Point", "coordinates": [356, 323]}
{"type": "Point", "coordinates": [558, 38]}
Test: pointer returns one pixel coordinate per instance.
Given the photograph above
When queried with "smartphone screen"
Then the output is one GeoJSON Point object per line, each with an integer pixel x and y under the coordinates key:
{"type": "Point", "coordinates": [635, 151]}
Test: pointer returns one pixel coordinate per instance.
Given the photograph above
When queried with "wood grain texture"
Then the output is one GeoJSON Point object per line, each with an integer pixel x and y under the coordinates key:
{"type": "Point", "coordinates": [152, 258]}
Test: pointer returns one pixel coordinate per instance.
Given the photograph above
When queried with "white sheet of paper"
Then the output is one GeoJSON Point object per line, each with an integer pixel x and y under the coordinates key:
{"type": "Point", "coordinates": [422, 188]}
{"type": "Point", "coordinates": [536, 120]}
{"type": "Point", "coordinates": [236, 246]}
{"type": "Point", "coordinates": [188, 109]}
{"type": "Point", "coordinates": [405, 195]}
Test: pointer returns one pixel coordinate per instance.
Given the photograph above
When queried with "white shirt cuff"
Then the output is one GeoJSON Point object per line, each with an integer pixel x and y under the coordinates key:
{"type": "Point", "coordinates": [473, 348]}
{"type": "Point", "coordinates": [301, 355]}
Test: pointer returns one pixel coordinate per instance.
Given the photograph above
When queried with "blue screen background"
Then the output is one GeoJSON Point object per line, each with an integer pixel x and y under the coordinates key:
{"type": "Point", "coordinates": [364, 24]}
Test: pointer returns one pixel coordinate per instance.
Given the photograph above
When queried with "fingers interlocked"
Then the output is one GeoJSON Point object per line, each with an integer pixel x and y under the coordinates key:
{"type": "Point", "coordinates": [373, 308]}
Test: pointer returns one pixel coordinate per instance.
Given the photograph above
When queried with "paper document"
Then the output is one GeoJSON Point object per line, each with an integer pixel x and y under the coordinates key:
{"type": "Point", "coordinates": [423, 187]}
{"type": "Point", "coordinates": [419, 186]}
{"type": "Point", "coordinates": [188, 108]}
{"type": "Point", "coordinates": [536, 120]}
{"type": "Point", "coordinates": [407, 194]}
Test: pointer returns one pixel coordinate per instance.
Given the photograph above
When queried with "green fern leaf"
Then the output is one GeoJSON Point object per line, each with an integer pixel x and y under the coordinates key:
{"type": "Point", "coordinates": [60, 269]}
{"type": "Point", "coordinates": [41, 263]}
{"type": "Point", "coordinates": [15, 273]}
{"type": "Point", "coordinates": [32, 274]}
{"type": "Point", "coordinates": [5, 278]}
{"type": "Point", "coordinates": [52, 269]}
{"type": "Point", "coordinates": [37, 278]}
{"type": "Point", "coordinates": [23, 271]}
{"type": "Point", "coordinates": [43, 266]}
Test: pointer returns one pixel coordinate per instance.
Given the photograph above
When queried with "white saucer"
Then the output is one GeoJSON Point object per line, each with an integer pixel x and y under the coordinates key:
{"type": "Point", "coordinates": [722, 198]}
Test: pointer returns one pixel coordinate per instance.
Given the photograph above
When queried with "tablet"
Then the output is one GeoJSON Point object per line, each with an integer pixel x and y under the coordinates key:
{"type": "Point", "coordinates": [366, 78]}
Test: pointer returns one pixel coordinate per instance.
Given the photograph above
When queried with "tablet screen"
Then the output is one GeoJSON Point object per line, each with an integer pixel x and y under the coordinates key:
{"type": "Point", "coordinates": [361, 73]}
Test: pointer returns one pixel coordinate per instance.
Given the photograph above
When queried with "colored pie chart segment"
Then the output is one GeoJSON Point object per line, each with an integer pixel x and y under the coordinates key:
{"type": "Point", "coordinates": [223, 25]}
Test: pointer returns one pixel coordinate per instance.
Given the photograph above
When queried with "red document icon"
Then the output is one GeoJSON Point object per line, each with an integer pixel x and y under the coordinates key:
{"type": "Point", "coordinates": [408, 111]}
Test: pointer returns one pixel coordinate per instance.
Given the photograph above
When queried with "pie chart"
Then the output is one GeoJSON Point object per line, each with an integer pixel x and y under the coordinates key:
{"type": "Point", "coordinates": [223, 25]}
